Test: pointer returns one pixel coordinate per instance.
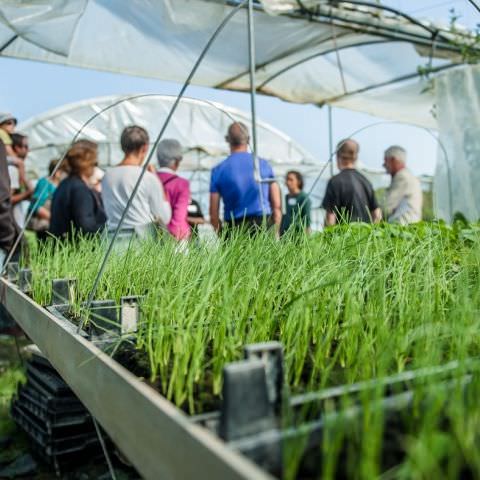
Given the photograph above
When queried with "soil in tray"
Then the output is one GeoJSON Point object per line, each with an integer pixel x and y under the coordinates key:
{"type": "Point", "coordinates": [137, 362]}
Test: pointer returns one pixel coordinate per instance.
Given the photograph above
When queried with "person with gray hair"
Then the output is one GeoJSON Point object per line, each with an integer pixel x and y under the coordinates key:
{"type": "Point", "coordinates": [404, 198]}
{"type": "Point", "coordinates": [177, 188]}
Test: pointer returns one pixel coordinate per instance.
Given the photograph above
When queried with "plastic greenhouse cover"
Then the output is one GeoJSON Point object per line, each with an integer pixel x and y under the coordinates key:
{"type": "Point", "coordinates": [371, 68]}
{"type": "Point", "coordinates": [199, 125]}
{"type": "Point", "coordinates": [285, 6]}
{"type": "Point", "coordinates": [457, 176]}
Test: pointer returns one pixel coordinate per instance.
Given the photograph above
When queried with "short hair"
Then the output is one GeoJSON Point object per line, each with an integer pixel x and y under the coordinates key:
{"type": "Point", "coordinates": [395, 151]}
{"type": "Point", "coordinates": [81, 157]}
{"type": "Point", "coordinates": [348, 147]}
{"type": "Point", "coordinates": [298, 176]}
{"type": "Point", "coordinates": [133, 138]}
{"type": "Point", "coordinates": [17, 139]}
{"type": "Point", "coordinates": [237, 134]}
{"type": "Point", "coordinates": [169, 151]}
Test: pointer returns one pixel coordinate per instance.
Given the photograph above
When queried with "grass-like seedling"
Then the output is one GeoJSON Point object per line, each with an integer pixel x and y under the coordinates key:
{"type": "Point", "coordinates": [352, 303]}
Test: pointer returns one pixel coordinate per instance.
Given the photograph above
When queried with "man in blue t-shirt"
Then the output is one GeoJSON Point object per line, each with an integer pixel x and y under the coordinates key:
{"type": "Point", "coordinates": [234, 182]}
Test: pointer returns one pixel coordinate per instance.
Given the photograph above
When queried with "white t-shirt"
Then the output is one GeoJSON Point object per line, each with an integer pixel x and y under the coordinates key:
{"type": "Point", "coordinates": [19, 208]}
{"type": "Point", "coordinates": [148, 206]}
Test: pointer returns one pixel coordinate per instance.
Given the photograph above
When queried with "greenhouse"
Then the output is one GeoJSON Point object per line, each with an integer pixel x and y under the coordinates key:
{"type": "Point", "coordinates": [344, 350]}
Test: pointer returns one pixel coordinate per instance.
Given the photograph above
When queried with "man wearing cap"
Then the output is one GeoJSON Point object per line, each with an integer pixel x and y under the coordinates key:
{"type": "Point", "coordinates": [7, 126]}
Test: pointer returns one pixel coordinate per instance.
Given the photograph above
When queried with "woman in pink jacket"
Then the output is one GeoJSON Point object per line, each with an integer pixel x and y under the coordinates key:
{"type": "Point", "coordinates": [177, 189]}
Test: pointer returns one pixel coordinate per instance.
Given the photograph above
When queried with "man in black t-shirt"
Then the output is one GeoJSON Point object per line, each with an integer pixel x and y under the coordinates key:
{"type": "Point", "coordinates": [349, 196]}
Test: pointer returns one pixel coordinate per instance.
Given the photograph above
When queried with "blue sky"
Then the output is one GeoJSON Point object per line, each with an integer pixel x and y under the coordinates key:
{"type": "Point", "coordinates": [30, 88]}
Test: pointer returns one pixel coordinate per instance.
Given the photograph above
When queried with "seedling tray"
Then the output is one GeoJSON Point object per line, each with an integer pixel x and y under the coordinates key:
{"type": "Point", "coordinates": [58, 442]}
{"type": "Point", "coordinates": [50, 418]}
{"type": "Point", "coordinates": [155, 435]}
{"type": "Point", "coordinates": [49, 381]}
{"type": "Point", "coordinates": [48, 403]}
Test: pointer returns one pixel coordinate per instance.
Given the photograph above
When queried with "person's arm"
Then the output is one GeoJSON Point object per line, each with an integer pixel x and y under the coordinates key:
{"type": "Point", "coordinates": [307, 215]}
{"type": "Point", "coordinates": [215, 211]}
{"type": "Point", "coordinates": [18, 181]}
{"type": "Point", "coordinates": [275, 198]}
{"type": "Point", "coordinates": [377, 215]}
{"type": "Point", "coordinates": [214, 207]}
{"type": "Point", "coordinates": [195, 221]}
{"type": "Point", "coordinates": [84, 209]}
{"type": "Point", "coordinates": [20, 197]}
{"type": "Point", "coordinates": [328, 204]}
{"type": "Point", "coordinates": [330, 219]}
{"type": "Point", "coordinates": [198, 219]}
{"type": "Point", "coordinates": [374, 207]}
{"type": "Point", "coordinates": [43, 213]}
{"type": "Point", "coordinates": [160, 208]}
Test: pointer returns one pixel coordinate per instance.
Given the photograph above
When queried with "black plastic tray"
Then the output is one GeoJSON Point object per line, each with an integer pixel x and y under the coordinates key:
{"type": "Point", "coordinates": [56, 442]}
{"type": "Point", "coordinates": [62, 404]}
{"type": "Point", "coordinates": [49, 381]}
{"type": "Point", "coordinates": [51, 418]}
{"type": "Point", "coordinates": [51, 405]}
{"type": "Point", "coordinates": [39, 360]}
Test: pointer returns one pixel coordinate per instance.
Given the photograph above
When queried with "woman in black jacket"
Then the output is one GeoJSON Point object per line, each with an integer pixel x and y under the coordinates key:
{"type": "Point", "coordinates": [75, 208]}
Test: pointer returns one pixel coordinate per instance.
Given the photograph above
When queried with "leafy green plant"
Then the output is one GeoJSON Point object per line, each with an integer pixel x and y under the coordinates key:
{"type": "Point", "coordinates": [352, 303]}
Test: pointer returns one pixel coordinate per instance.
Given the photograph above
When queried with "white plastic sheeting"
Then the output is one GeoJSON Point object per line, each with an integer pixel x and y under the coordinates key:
{"type": "Point", "coordinates": [199, 125]}
{"type": "Point", "coordinates": [285, 6]}
{"type": "Point", "coordinates": [358, 61]}
{"type": "Point", "coordinates": [457, 178]}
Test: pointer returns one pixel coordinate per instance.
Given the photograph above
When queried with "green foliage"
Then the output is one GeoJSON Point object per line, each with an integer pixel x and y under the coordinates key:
{"type": "Point", "coordinates": [467, 45]}
{"type": "Point", "coordinates": [353, 303]}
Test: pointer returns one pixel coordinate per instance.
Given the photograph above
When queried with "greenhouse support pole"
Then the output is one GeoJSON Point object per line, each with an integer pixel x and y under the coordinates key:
{"type": "Point", "coordinates": [179, 97]}
{"type": "Point", "coordinates": [475, 5]}
{"type": "Point", "coordinates": [253, 107]}
{"type": "Point", "coordinates": [330, 139]}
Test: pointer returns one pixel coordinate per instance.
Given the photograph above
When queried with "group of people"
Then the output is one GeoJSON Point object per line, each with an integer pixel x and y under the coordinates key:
{"type": "Point", "coordinates": [77, 197]}
{"type": "Point", "coordinates": [350, 197]}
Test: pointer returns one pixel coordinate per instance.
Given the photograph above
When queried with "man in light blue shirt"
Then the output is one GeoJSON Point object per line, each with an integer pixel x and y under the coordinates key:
{"type": "Point", "coordinates": [234, 182]}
